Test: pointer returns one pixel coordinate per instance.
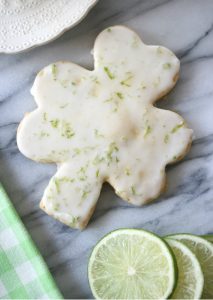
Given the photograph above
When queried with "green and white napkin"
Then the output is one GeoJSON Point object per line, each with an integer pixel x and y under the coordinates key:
{"type": "Point", "coordinates": [23, 272]}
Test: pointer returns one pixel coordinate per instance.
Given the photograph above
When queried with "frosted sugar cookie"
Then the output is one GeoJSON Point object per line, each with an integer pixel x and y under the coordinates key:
{"type": "Point", "coordinates": [101, 125]}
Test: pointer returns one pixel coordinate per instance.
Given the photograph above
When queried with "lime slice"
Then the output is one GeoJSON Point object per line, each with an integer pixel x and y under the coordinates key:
{"type": "Point", "coordinates": [203, 250]}
{"type": "Point", "coordinates": [132, 264]}
{"type": "Point", "coordinates": [190, 276]}
{"type": "Point", "coordinates": [208, 237]}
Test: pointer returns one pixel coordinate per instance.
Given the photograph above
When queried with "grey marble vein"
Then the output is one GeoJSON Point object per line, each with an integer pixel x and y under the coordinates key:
{"type": "Point", "coordinates": [185, 26]}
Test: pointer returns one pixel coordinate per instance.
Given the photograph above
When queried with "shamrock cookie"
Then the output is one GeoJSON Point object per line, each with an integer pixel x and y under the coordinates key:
{"type": "Point", "coordinates": [101, 125]}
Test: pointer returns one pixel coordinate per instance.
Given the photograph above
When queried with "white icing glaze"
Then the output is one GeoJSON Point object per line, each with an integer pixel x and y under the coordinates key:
{"type": "Point", "coordinates": [101, 125]}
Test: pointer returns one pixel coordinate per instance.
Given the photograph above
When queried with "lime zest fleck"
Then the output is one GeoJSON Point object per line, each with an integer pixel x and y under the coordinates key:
{"type": "Point", "coordinates": [177, 127]}
{"type": "Point", "coordinates": [167, 66]}
{"type": "Point", "coordinates": [133, 190]}
{"type": "Point", "coordinates": [135, 42]}
{"type": "Point", "coordinates": [56, 207]}
{"type": "Point", "coordinates": [67, 131]}
{"type": "Point", "coordinates": [57, 185]}
{"type": "Point", "coordinates": [66, 179]}
{"type": "Point", "coordinates": [120, 95]}
{"type": "Point", "coordinates": [109, 73]}
{"type": "Point", "coordinates": [54, 123]}
{"type": "Point", "coordinates": [124, 138]}
{"type": "Point", "coordinates": [43, 134]}
{"type": "Point", "coordinates": [45, 116]}
{"type": "Point", "coordinates": [143, 86]}
{"type": "Point", "coordinates": [108, 100]}
{"type": "Point", "coordinates": [85, 193]}
{"type": "Point", "coordinates": [54, 71]}
{"type": "Point", "coordinates": [159, 50]}
{"type": "Point", "coordinates": [126, 82]}
{"type": "Point", "coordinates": [98, 159]}
{"type": "Point", "coordinates": [147, 130]}
{"type": "Point", "coordinates": [111, 150]}
{"type": "Point", "coordinates": [65, 105]}
{"type": "Point", "coordinates": [166, 138]}
{"type": "Point", "coordinates": [127, 171]}
{"type": "Point", "coordinates": [74, 221]}
{"type": "Point", "coordinates": [98, 134]}
{"type": "Point", "coordinates": [58, 181]}
{"type": "Point", "coordinates": [77, 151]}
{"type": "Point", "coordinates": [109, 29]}
{"type": "Point", "coordinates": [95, 79]}
{"type": "Point", "coordinates": [157, 82]}
{"type": "Point", "coordinates": [97, 173]}
{"type": "Point", "coordinates": [115, 100]}
{"type": "Point", "coordinates": [82, 173]}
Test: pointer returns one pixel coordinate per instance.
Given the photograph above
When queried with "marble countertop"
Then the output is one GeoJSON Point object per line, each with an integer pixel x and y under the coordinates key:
{"type": "Point", "coordinates": [184, 26]}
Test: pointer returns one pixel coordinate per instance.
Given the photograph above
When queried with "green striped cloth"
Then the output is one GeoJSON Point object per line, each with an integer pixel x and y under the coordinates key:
{"type": "Point", "coordinates": [23, 272]}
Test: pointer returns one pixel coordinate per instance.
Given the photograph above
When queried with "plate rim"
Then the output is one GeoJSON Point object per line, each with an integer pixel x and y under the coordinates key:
{"type": "Point", "coordinates": [56, 35]}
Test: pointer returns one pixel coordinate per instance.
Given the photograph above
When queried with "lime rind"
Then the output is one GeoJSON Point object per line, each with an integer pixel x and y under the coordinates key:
{"type": "Point", "coordinates": [203, 249]}
{"type": "Point", "coordinates": [175, 266]}
{"type": "Point", "coordinates": [190, 280]}
{"type": "Point", "coordinates": [119, 269]}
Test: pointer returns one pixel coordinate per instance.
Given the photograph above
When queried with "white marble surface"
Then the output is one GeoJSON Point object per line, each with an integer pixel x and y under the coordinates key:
{"type": "Point", "coordinates": [186, 27]}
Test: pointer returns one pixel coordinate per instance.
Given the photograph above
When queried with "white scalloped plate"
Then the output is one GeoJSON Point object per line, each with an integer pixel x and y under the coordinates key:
{"type": "Point", "coordinates": [28, 23]}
